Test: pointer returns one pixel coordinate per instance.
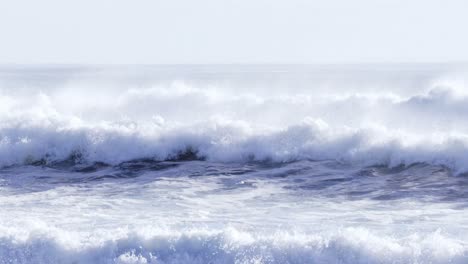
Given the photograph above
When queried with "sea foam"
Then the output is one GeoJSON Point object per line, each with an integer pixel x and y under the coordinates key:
{"type": "Point", "coordinates": [350, 245]}
{"type": "Point", "coordinates": [366, 115]}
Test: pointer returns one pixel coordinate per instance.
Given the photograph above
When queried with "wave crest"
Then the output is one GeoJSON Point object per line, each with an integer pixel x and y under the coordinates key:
{"type": "Point", "coordinates": [388, 116]}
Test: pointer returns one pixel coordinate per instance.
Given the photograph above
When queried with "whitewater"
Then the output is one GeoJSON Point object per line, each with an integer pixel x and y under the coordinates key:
{"type": "Point", "coordinates": [234, 163]}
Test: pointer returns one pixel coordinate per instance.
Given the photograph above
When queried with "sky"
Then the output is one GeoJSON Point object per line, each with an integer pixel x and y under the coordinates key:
{"type": "Point", "coordinates": [232, 31]}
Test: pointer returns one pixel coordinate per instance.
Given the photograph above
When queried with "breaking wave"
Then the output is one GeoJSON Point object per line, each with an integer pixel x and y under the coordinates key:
{"type": "Point", "coordinates": [389, 116]}
{"type": "Point", "coordinates": [350, 245]}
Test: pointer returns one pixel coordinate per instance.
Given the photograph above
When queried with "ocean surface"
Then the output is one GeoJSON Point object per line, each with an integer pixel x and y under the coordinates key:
{"type": "Point", "coordinates": [234, 164]}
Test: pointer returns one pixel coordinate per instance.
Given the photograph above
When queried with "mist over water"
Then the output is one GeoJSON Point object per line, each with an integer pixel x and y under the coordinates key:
{"type": "Point", "coordinates": [233, 164]}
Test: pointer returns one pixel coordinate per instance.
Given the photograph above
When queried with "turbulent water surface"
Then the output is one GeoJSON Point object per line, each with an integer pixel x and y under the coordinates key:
{"type": "Point", "coordinates": [234, 164]}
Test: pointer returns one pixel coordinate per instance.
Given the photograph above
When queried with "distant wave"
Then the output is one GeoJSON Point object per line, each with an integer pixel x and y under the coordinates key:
{"type": "Point", "coordinates": [368, 117]}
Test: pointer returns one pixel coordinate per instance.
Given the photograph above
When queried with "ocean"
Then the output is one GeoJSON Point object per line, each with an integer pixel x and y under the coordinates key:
{"type": "Point", "coordinates": [234, 163]}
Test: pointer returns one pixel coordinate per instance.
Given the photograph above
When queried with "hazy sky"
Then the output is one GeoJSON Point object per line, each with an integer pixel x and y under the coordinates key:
{"type": "Point", "coordinates": [232, 31]}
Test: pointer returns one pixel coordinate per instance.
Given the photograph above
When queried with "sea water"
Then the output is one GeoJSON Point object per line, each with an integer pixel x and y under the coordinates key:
{"type": "Point", "coordinates": [234, 164]}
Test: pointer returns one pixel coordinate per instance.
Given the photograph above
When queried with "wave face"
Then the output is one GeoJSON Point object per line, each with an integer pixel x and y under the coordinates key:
{"type": "Point", "coordinates": [233, 164]}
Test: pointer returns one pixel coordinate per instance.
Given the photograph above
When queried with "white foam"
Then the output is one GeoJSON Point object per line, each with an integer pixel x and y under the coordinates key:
{"type": "Point", "coordinates": [350, 245]}
{"type": "Point", "coordinates": [119, 114]}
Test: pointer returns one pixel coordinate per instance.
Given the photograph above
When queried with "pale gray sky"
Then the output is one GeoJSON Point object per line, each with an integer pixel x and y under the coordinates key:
{"type": "Point", "coordinates": [232, 31]}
